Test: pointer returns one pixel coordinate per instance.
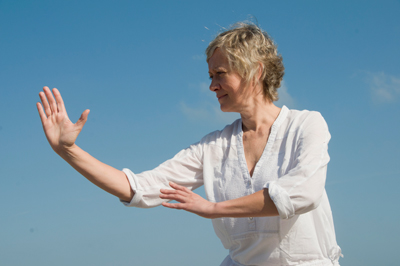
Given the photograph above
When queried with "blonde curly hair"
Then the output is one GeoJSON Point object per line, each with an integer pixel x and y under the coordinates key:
{"type": "Point", "coordinates": [247, 47]}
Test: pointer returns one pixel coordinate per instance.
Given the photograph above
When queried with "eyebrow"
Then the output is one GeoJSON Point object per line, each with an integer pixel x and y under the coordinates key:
{"type": "Point", "coordinates": [218, 68]}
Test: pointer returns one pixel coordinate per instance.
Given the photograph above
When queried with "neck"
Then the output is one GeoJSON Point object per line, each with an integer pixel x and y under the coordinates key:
{"type": "Point", "coordinates": [260, 115]}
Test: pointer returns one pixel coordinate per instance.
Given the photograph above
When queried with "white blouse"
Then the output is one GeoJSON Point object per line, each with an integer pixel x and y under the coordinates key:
{"type": "Point", "coordinates": [292, 167]}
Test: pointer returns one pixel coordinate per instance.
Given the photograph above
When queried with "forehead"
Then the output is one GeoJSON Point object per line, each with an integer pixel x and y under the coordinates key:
{"type": "Point", "coordinates": [218, 60]}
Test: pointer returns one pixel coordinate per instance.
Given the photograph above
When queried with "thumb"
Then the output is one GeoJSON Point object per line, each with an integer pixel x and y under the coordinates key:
{"type": "Point", "coordinates": [82, 120]}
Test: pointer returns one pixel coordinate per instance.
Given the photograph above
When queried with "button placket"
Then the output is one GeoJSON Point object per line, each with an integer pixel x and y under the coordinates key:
{"type": "Point", "coordinates": [252, 223]}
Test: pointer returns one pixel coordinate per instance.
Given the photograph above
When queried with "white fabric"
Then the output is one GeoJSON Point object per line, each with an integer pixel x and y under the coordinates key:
{"type": "Point", "coordinates": [292, 167]}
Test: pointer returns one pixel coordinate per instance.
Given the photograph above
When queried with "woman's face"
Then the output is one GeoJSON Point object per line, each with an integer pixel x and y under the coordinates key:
{"type": "Point", "coordinates": [229, 87]}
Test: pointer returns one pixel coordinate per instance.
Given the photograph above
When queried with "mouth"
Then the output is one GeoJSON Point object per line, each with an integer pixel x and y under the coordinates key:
{"type": "Point", "coordinates": [221, 96]}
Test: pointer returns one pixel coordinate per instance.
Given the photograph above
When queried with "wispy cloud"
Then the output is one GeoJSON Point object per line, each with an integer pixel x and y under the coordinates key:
{"type": "Point", "coordinates": [199, 57]}
{"type": "Point", "coordinates": [284, 97]}
{"type": "Point", "coordinates": [384, 88]}
{"type": "Point", "coordinates": [193, 113]}
{"type": "Point", "coordinates": [208, 112]}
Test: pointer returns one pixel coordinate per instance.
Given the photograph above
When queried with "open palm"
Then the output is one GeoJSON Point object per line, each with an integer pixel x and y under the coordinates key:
{"type": "Point", "coordinates": [60, 131]}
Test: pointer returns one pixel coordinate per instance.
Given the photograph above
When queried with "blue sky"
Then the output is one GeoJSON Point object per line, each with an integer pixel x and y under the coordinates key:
{"type": "Point", "coordinates": [140, 68]}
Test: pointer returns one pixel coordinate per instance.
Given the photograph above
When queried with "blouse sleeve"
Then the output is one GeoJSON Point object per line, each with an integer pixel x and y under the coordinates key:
{"type": "Point", "coordinates": [185, 169]}
{"type": "Point", "coordinates": [301, 189]}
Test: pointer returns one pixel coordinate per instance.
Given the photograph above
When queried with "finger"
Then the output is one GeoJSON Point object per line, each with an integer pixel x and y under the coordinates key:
{"type": "Point", "coordinates": [177, 206]}
{"type": "Point", "coordinates": [45, 103]}
{"type": "Point", "coordinates": [174, 192]}
{"type": "Point", "coordinates": [41, 112]}
{"type": "Point", "coordinates": [168, 191]}
{"type": "Point", "coordinates": [171, 197]}
{"type": "Point", "coordinates": [177, 197]}
{"type": "Point", "coordinates": [59, 100]}
{"type": "Point", "coordinates": [178, 187]}
{"type": "Point", "coordinates": [50, 98]}
{"type": "Point", "coordinates": [82, 120]}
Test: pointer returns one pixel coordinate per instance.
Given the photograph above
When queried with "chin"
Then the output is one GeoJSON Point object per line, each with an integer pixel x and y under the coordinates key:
{"type": "Point", "coordinates": [226, 109]}
{"type": "Point", "coordinates": [223, 108]}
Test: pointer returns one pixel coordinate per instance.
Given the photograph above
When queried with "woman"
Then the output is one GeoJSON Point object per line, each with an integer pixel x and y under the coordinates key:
{"type": "Point", "coordinates": [264, 175]}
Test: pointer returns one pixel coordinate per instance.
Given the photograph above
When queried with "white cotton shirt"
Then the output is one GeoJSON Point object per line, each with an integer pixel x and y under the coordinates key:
{"type": "Point", "coordinates": [292, 167]}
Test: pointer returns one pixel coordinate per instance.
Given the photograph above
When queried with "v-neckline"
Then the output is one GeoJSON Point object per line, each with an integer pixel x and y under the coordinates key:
{"type": "Point", "coordinates": [271, 139]}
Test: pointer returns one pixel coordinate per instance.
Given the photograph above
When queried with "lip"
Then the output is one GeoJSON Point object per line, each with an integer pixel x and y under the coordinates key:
{"type": "Point", "coordinates": [222, 96]}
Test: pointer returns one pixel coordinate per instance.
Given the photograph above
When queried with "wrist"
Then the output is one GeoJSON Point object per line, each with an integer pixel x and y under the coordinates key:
{"type": "Point", "coordinates": [216, 210]}
{"type": "Point", "coordinates": [66, 151]}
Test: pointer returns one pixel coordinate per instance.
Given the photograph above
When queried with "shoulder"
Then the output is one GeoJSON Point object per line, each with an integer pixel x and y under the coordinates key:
{"type": "Point", "coordinates": [303, 118]}
{"type": "Point", "coordinates": [221, 138]}
{"type": "Point", "coordinates": [304, 123]}
{"type": "Point", "coordinates": [224, 135]}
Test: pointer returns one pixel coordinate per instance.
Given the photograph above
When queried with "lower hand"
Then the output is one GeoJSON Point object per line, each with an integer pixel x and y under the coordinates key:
{"type": "Point", "coordinates": [188, 201]}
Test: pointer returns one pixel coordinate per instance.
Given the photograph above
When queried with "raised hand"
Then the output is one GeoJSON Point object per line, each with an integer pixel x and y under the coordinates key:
{"type": "Point", "coordinates": [188, 201]}
{"type": "Point", "coordinates": [60, 131]}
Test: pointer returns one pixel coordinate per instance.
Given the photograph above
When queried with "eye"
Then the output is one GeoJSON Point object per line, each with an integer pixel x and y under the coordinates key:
{"type": "Point", "coordinates": [221, 73]}
{"type": "Point", "coordinates": [210, 77]}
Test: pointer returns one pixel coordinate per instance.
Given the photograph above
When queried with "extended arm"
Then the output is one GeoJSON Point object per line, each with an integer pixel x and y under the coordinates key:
{"type": "Point", "coordinates": [254, 205]}
{"type": "Point", "coordinates": [62, 133]}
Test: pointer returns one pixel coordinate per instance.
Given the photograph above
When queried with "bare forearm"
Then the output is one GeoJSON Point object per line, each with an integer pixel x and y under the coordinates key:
{"type": "Point", "coordinates": [258, 204]}
{"type": "Point", "coordinates": [102, 175]}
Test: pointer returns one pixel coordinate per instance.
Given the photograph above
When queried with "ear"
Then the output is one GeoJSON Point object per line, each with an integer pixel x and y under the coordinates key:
{"type": "Point", "coordinates": [260, 70]}
{"type": "Point", "coordinates": [256, 79]}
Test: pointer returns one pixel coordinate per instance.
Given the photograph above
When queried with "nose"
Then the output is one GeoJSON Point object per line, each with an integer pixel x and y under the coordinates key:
{"type": "Point", "coordinates": [214, 85]}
